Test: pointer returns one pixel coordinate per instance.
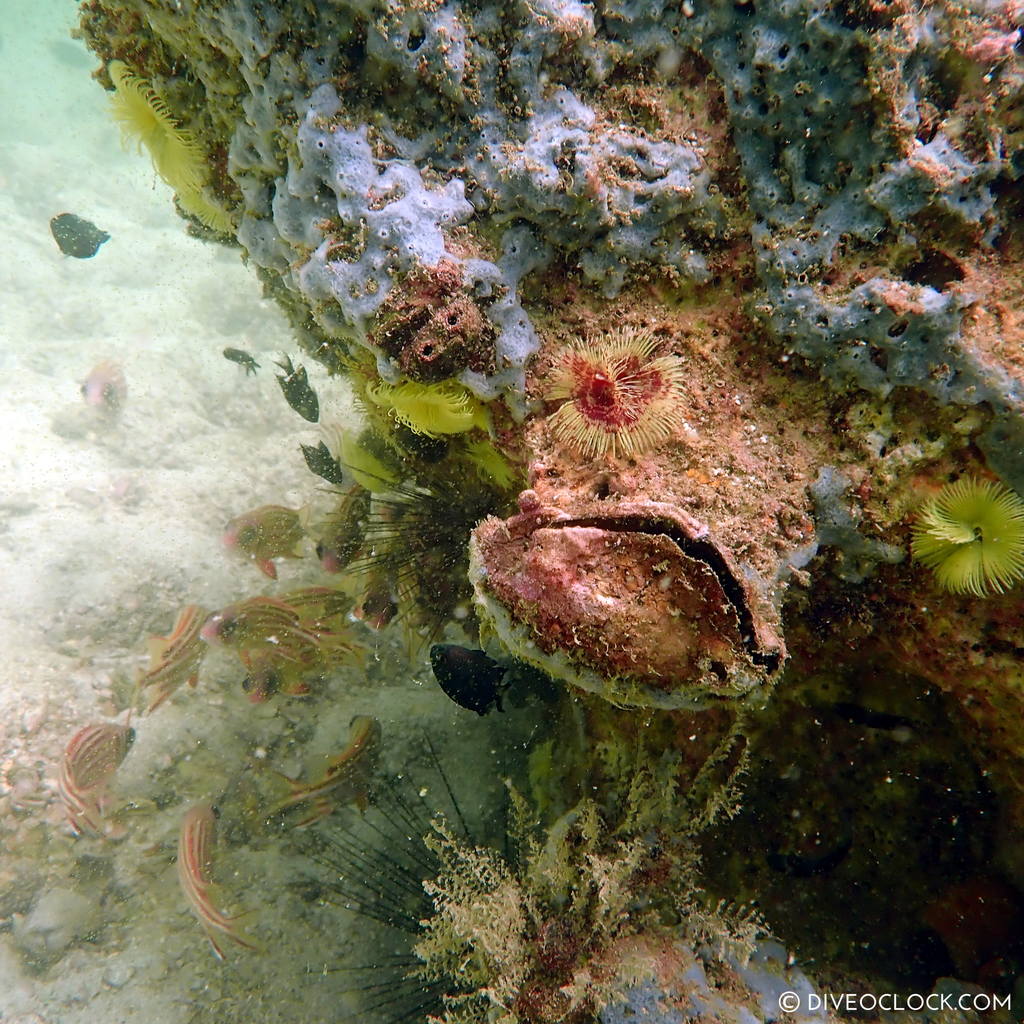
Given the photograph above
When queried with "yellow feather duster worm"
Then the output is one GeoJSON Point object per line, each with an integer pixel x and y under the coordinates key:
{"type": "Point", "coordinates": [176, 154]}
{"type": "Point", "coordinates": [431, 409]}
{"type": "Point", "coordinates": [144, 118]}
{"type": "Point", "coordinates": [972, 535]}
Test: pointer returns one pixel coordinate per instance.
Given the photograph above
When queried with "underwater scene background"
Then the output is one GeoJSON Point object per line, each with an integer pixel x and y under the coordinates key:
{"type": "Point", "coordinates": [513, 511]}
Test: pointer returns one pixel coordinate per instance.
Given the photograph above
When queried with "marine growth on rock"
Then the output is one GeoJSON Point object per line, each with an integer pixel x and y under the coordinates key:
{"type": "Point", "coordinates": [660, 319]}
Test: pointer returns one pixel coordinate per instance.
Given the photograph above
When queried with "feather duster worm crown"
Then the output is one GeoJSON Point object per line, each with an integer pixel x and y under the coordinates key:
{"type": "Point", "coordinates": [143, 117]}
{"type": "Point", "coordinates": [620, 400]}
{"type": "Point", "coordinates": [431, 409]}
{"type": "Point", "coordinates": [176, 154]}
{"type": "Point", "coordinates": [972, 535]}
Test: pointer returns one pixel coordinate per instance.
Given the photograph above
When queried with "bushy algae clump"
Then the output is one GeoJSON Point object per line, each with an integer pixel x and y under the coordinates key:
{"type": "Point", "coordinates": [537, 943]}
{"type": "Point", "coordinates": [578, 913]}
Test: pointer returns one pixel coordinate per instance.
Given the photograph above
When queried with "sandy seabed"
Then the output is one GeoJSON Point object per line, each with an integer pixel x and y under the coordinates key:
{"type": "Point", "coordinates": [109, 527]}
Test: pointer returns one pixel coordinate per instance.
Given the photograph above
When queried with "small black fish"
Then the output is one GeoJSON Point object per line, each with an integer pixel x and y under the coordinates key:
{"type": "Point", "coordinates": [470, 678]}
{"type": "Point", "coordinates": [323, 463]}
{"type": "Point", "coordinates": [76, 236]}
{"type": "Point", "coordinates": [297, 392]}
{"type": "Point", "coordinates": [246, 361]}
{"type": "Point", "coordinates": [420, 446]}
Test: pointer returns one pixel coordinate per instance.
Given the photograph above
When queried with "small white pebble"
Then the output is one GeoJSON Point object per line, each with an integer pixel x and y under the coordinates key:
{"type": "Point", "coordinates": [32, 719]}
{"type": "Point", "coordinates": [118, 974]}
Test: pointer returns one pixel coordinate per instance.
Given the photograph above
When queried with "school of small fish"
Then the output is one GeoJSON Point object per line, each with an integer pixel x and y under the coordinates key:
{"type": "Point", "coordinates": [283, 643]}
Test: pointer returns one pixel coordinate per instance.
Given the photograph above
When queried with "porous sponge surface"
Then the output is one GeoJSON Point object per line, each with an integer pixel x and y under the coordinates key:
{"type": "Point", "coordinates": [370, 139]}
{"type": "Point", "coordinates": [477, 117]}
{"type": "Point", "coordinates": [826, 166]}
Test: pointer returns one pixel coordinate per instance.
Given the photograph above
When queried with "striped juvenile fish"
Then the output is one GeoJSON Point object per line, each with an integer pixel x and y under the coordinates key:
{"type": "Point", "coordinates": [91, 757]}
{"type": "Point", "coordinates": [341, 534]}
{"type": "Point", "coordinates": [347, 776]}
{"type": "Point", "coordinates": [258, 624]}
{"type": "Point", "coordinates": [316, 606]}
{"type": "Point", "coordinates": [175, 659]}
{"type": "Point", "coordinates": [275, 672]}
{"type": "Point", "coordinates": [280, 644]}
{"type": "Point", "coordinates": [268, 675]}
{"type": "Point", "coordinates": [266, 533]}
{"type": "Point", "coordinates": [195, 864]}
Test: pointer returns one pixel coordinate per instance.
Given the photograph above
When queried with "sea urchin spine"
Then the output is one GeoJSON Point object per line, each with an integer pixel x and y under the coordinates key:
{"type": "Point", "coordinates": [620, 401]}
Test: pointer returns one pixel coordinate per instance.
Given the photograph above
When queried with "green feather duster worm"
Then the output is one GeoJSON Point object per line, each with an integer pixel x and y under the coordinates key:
{"type": "Point", "coordinates": [972, 535]}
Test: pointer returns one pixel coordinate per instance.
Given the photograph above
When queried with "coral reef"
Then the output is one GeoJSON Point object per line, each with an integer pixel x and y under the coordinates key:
{"type": "Point", "coordinates": [806, 216]}
{"type": "Point", "coordinates": [489, 121]}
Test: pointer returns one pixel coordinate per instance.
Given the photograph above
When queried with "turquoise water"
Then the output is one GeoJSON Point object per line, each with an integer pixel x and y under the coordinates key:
{"type": "Point", "coordinates": [111, 524]}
